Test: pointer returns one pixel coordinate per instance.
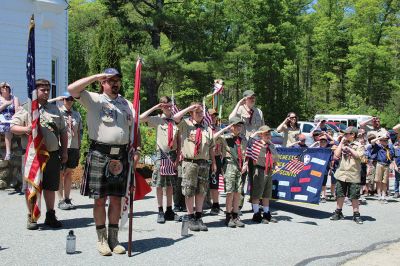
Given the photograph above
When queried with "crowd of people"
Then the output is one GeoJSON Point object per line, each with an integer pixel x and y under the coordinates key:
{"type": "Point", "coordinates": [191, 153]}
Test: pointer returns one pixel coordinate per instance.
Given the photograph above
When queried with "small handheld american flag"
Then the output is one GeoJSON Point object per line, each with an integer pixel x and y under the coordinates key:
{"type": "Point", "coordinates": [206, 116]}
{"type": "Point", "coordinates": [253, 148]}
{"type": "Point", "coordinates": [166, 164]}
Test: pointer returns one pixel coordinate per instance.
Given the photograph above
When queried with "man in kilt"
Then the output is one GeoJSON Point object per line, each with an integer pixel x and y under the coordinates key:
{"type": "Point", "coordinates": [109, 121]}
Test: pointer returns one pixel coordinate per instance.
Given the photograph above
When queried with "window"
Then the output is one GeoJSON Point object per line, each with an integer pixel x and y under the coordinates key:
{"type": "Point", "coordinates": [307, 128]}
{"type": "Point", "coordinates": [54, 78]}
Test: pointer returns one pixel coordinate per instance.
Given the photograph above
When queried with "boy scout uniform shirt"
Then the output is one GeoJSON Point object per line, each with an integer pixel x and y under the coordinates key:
{"type": "Point", "coordinates": [161, 125]}
{"type": "Point", "coordinates": [73, 127]}
{"type": "Point", "coordinates": [289, 135]}
{"type": "Point", "coordinates": [188, 132]}
{"type": "Point", "coordinates": [217, 148]}
{"type": "Point", "coordinates": [109, 121]}
{"type": "Point", "coordinates": [349, 169]}
{"type": "Point", "coordinates": [256, 122]}
{"type": "Point", "coordinates": [229, 147]}
{"type": "Point", "coordinates": [263, 151]}
{"type": "Point", "coordinates": [52, 124]}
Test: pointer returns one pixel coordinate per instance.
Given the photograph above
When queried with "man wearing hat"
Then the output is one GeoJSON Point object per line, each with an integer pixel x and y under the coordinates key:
{"type": "Point", "coordinates": [252, 116]}
{"type": "Point", "coordinates": [54, 131]}
{"type": "Point", "coordinates": [233, 150]}
{"type": "Point", "coordinates": [109, 121]}
{"type": "Point", "coordinates": [261, 180]}
{"type": "Point", "coordinates": [73, 122]}
{"type": "Point", "coordinates": [350, 153]}
{"type": "Point", "coordinates": [384, 156]}
{"type": "Point", "coordinates": [168, 149]}
{"type": "Point", "coordinates": [373, 125]}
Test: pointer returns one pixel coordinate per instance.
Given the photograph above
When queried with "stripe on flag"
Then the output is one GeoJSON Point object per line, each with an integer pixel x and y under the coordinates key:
{"type": "Point", "coordinates": [206, 116]}
{"type": "Point", "coordinates": [253, 148]}
{"type": "Point", "coordinates": [166, 165]}
{"type": "Point", "coordinates": [221, 183]}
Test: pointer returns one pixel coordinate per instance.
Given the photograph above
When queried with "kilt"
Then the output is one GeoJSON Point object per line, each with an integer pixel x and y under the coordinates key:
{"type": "Point", "coordinates": [96, 183]}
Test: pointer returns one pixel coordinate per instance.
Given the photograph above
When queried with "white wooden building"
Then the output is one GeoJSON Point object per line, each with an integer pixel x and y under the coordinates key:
{"type": "Point", "coordinates": [51, 36]}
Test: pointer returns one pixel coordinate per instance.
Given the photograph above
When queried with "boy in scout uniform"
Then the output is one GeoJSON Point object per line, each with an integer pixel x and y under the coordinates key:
{"type": "Point", "coordinates": [167, 143]}
{"type": "Point", "coordinates": [348, 175]}
{"type": "Point", "coordinates": [384, 156]}
{"type": "Point", "coordinates": [252, 116]}
{"type": "Point", "coordinates": [109, 121]}
{"type": "Point", "coordinates": [73, 121]}
{"type": "Point", "coordinates": [197, 150]}
{"type": "Point", "coordinates": [54, 131]}
{"type": "Point", "coordinates": [233, 150]}
{"type": "Point", "coordinates": [262, 176]}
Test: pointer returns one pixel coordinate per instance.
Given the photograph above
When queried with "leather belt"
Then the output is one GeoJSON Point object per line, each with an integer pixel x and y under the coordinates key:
{"type": "Point", "coordinates": [108, 148]}
{"type": "Point", "coordinates": [198, 161]}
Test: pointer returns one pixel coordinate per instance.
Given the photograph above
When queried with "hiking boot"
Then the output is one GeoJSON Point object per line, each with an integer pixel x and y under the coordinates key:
{"type": "Point", "coordinates": [202, 226]}
{"type": "Point", "coordinates": [323, 200]}
{"type": "Point", "coordinates": [257, 218]}
{"type": "Point", "coordinates": [63, 205]}
{"type": "Point", "coordinates": [113, 242]}
{"type": "Point", "coordinates": [337, 215]}
{"type": "Point", "coordinates": [51, 219]}
{"type": "Point", "coordinates": [170, 215]}
{"type": "Point", "coordinates": [267, 218]}
{"type": "Point", "coordinates": [30, 224]}
{"type": "Point", "coordinates": [231, 223]}
{"type": "Point", "coordinates": [357, 218]}
{"type": "Point", "coordinates": [160, 218]}
{"type": "Point", "coordinates": [70, 205]}
{"type": "Point", "coordinates": [238, 222]}
{"type": "Point", "coordinates": [194, 225]}
{"type": "Point", "coordinates": [102, 243]}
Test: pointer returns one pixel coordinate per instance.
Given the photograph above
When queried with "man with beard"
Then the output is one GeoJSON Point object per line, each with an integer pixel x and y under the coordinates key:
{"type": "Point", "coordinates": [109, 121]}
{"type": "Point", "coordinates": [54, 131]}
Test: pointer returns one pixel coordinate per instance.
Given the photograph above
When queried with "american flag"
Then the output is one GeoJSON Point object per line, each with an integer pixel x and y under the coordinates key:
{"type": "Point", "coordinates": [253, 148]}
{"type": "Point", "coordinates": [295, 166]}
{"type": "Point", "coordinates": [174, 109]}
{"type": "Point", "coordinates": [206, 116]}
{"type": "Point", "coordinates": [36, 153]}
{"type": "Point", "coordinates": [218, 86]}
{"type": "Point", "coordinates": [166, 164]}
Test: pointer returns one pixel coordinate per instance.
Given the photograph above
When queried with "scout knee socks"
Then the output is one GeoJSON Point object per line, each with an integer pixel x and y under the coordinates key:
{"type": "Point", "coordinates": [113, 242]}
{"type": "Point", "coordinates": [102, 244]}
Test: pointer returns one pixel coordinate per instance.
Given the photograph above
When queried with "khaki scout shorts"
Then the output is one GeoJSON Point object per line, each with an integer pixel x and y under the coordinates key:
{"type": "Point", "coordinates": [382, 173]}
{"type": "Point", "coordinates": [371, 176]}
{"type": "Point", "coordinates": [194, 178]}
{"type": "Point", "coordinates": [232, 178]}
{"type": "Point", "coordinates": [351, 190]}
{"type": "Point", "coordinates": [262, 184]}
{"type": "Point", "coordinates": [161, 180]}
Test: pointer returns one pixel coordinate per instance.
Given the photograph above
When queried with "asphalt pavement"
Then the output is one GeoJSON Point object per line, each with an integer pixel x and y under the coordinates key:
{"type": "Point", "coordinates": [304, 235]}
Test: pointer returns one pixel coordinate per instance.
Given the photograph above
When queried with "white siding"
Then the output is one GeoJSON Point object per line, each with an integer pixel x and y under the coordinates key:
{"type": "Point", "coordinates": [51, 42]}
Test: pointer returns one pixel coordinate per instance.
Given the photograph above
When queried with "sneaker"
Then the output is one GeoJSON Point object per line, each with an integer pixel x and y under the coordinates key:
{"type": "Point", "coordinates": [214, 211]}
{"type": "Point", "coordinates": [267, 218]}
{"type": "Point", "coordinates": [70, 205]}
{"type": "Point", "coordinates": [396, 195]}
{"type": "Point", "coordinates": [170, 215]}
{"type": "Point", "coordinates": [323, 200]}
{"type": "Point", "coordinates": [257, 218]}
{"type": "Point", "coordinates": [202, 226]}
{"type": "Point", "coordinates": [337, 215]}
{"type": "Point", "coordinates": [194, 225]}
{"type": "Point", "coordinates": [7, 157]}
{"type": "Point", "coordinates": [363, 199]}
{"type": "Point", "coordinates": [31, 225]}
{"type": "Point", "coordinates": [231, 223]}
{"type": "Point", "coordinates": [62, 205]}
{"type": "Point", "coordinates": [160, 218]}
{"type": "Point", "coordinates": [357, 219]}
{"type": "Point", "coordinates": [238, 222]}
{"type": "Point", "coordinates": [51, 220]}
{"type": "Point", "coordinates": [347, 201]}
{"type": "Point", "coordinates": [384, 201]}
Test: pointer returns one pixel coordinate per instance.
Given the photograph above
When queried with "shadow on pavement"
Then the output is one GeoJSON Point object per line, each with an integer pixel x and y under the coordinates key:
{"type": "Point", "coordinates": [143, 245]}
{"type": "Point", "coordinates": [301, 211]}
{"type": "Point", "coordinates": [1, 248]}
{"type": "Point", "coordinates": [71, 224]}
{"type": "Point", "coordinates": [308, 222]}
{"type": "Point", "coordinates": [364, 218]}
{"type": "Point", "coordinates": [142, 214]}
{"type": "Point", "coordinates": [84, 206]}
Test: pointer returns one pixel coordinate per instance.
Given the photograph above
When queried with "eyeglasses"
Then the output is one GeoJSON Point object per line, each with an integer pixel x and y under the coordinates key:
{"type": "Point", "coordinates": [69, 99]}
{"type": "Point", "coordinates": [5, 87]}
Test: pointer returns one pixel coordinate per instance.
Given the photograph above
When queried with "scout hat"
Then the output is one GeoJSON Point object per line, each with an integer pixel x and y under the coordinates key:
{"type": "Point", "coordinates": [264, 129]}
{"type": "Point", "coordinates": [248, 93]}
{"type": "Point", "coordinates": [351, 130]}
{"type": "Point", "coordinates": [112, 71]}
{"type": "Point", "coordinates": [235, 120]}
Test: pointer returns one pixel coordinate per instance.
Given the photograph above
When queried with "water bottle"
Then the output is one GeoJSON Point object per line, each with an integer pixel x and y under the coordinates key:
{"type": "Point", "coordinates": [185, 226]}
{"type": "Point", "coordinates": [71, 242]}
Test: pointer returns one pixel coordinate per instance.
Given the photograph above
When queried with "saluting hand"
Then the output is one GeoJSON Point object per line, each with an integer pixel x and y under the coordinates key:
{"type": "Point", "coordinates": [103, 76]}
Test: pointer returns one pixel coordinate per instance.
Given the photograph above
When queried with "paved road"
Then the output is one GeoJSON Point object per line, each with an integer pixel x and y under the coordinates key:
{"type": "Point", "coordinates": [303, 236]}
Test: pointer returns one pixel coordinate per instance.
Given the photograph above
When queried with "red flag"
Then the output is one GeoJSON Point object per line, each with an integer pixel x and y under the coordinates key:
{"type": "Point", "coordinates": [141, 187]}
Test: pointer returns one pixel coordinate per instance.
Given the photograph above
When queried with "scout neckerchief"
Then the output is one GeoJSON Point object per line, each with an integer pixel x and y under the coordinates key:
{"type": "Point", "coordinates": [198, 137]}
{"type": "Point", "coordinates": [387, 153]}
{"type": "Point", "coordinates": [239, 150]}
{"type": "Point", "coordinates": [251, 113]}
{"type": "Point", "coordinates": [269, 162]}
{"type": "Point", "coordinates": [170, 133]}
{"type": "Point", "coordinates": [69, 122]}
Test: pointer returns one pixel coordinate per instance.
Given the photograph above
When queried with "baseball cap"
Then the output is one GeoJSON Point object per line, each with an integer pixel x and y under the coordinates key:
{"type": "Point", "coordinates": [351, 130]}
{"type": "Point", "coordinates": [265, 129]}
{"type": "Point", "coordinates": [235, 120]}
{"type": "Point", "coordinates": [248, 93]}
{"type": "Point", "coordinates": [212, 112]}
{"type": "Point", "coordinates": [66, 95]}
{"type": "Point", "coordinates": [317, 132]}
{"type": "Point", "coordinates": [112, 71]}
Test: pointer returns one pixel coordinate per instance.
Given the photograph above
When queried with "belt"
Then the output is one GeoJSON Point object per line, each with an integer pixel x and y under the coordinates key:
{"type": "Point", "coordinates": [108, 148]}
{"type": "Point", "coordinates": [198, 161]}
{"type": "Point", "coordinates": [259, 166]}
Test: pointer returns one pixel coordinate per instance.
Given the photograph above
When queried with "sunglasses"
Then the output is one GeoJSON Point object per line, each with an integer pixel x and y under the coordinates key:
{"type": "Point", "coordinates": [5, 87]}
{"type": "Point", "coordinates": [69, 99]}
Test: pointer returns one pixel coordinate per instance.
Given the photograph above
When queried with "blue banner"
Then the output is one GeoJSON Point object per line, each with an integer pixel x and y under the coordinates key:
{"type": "Point", "coordinates": [300, 174]}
